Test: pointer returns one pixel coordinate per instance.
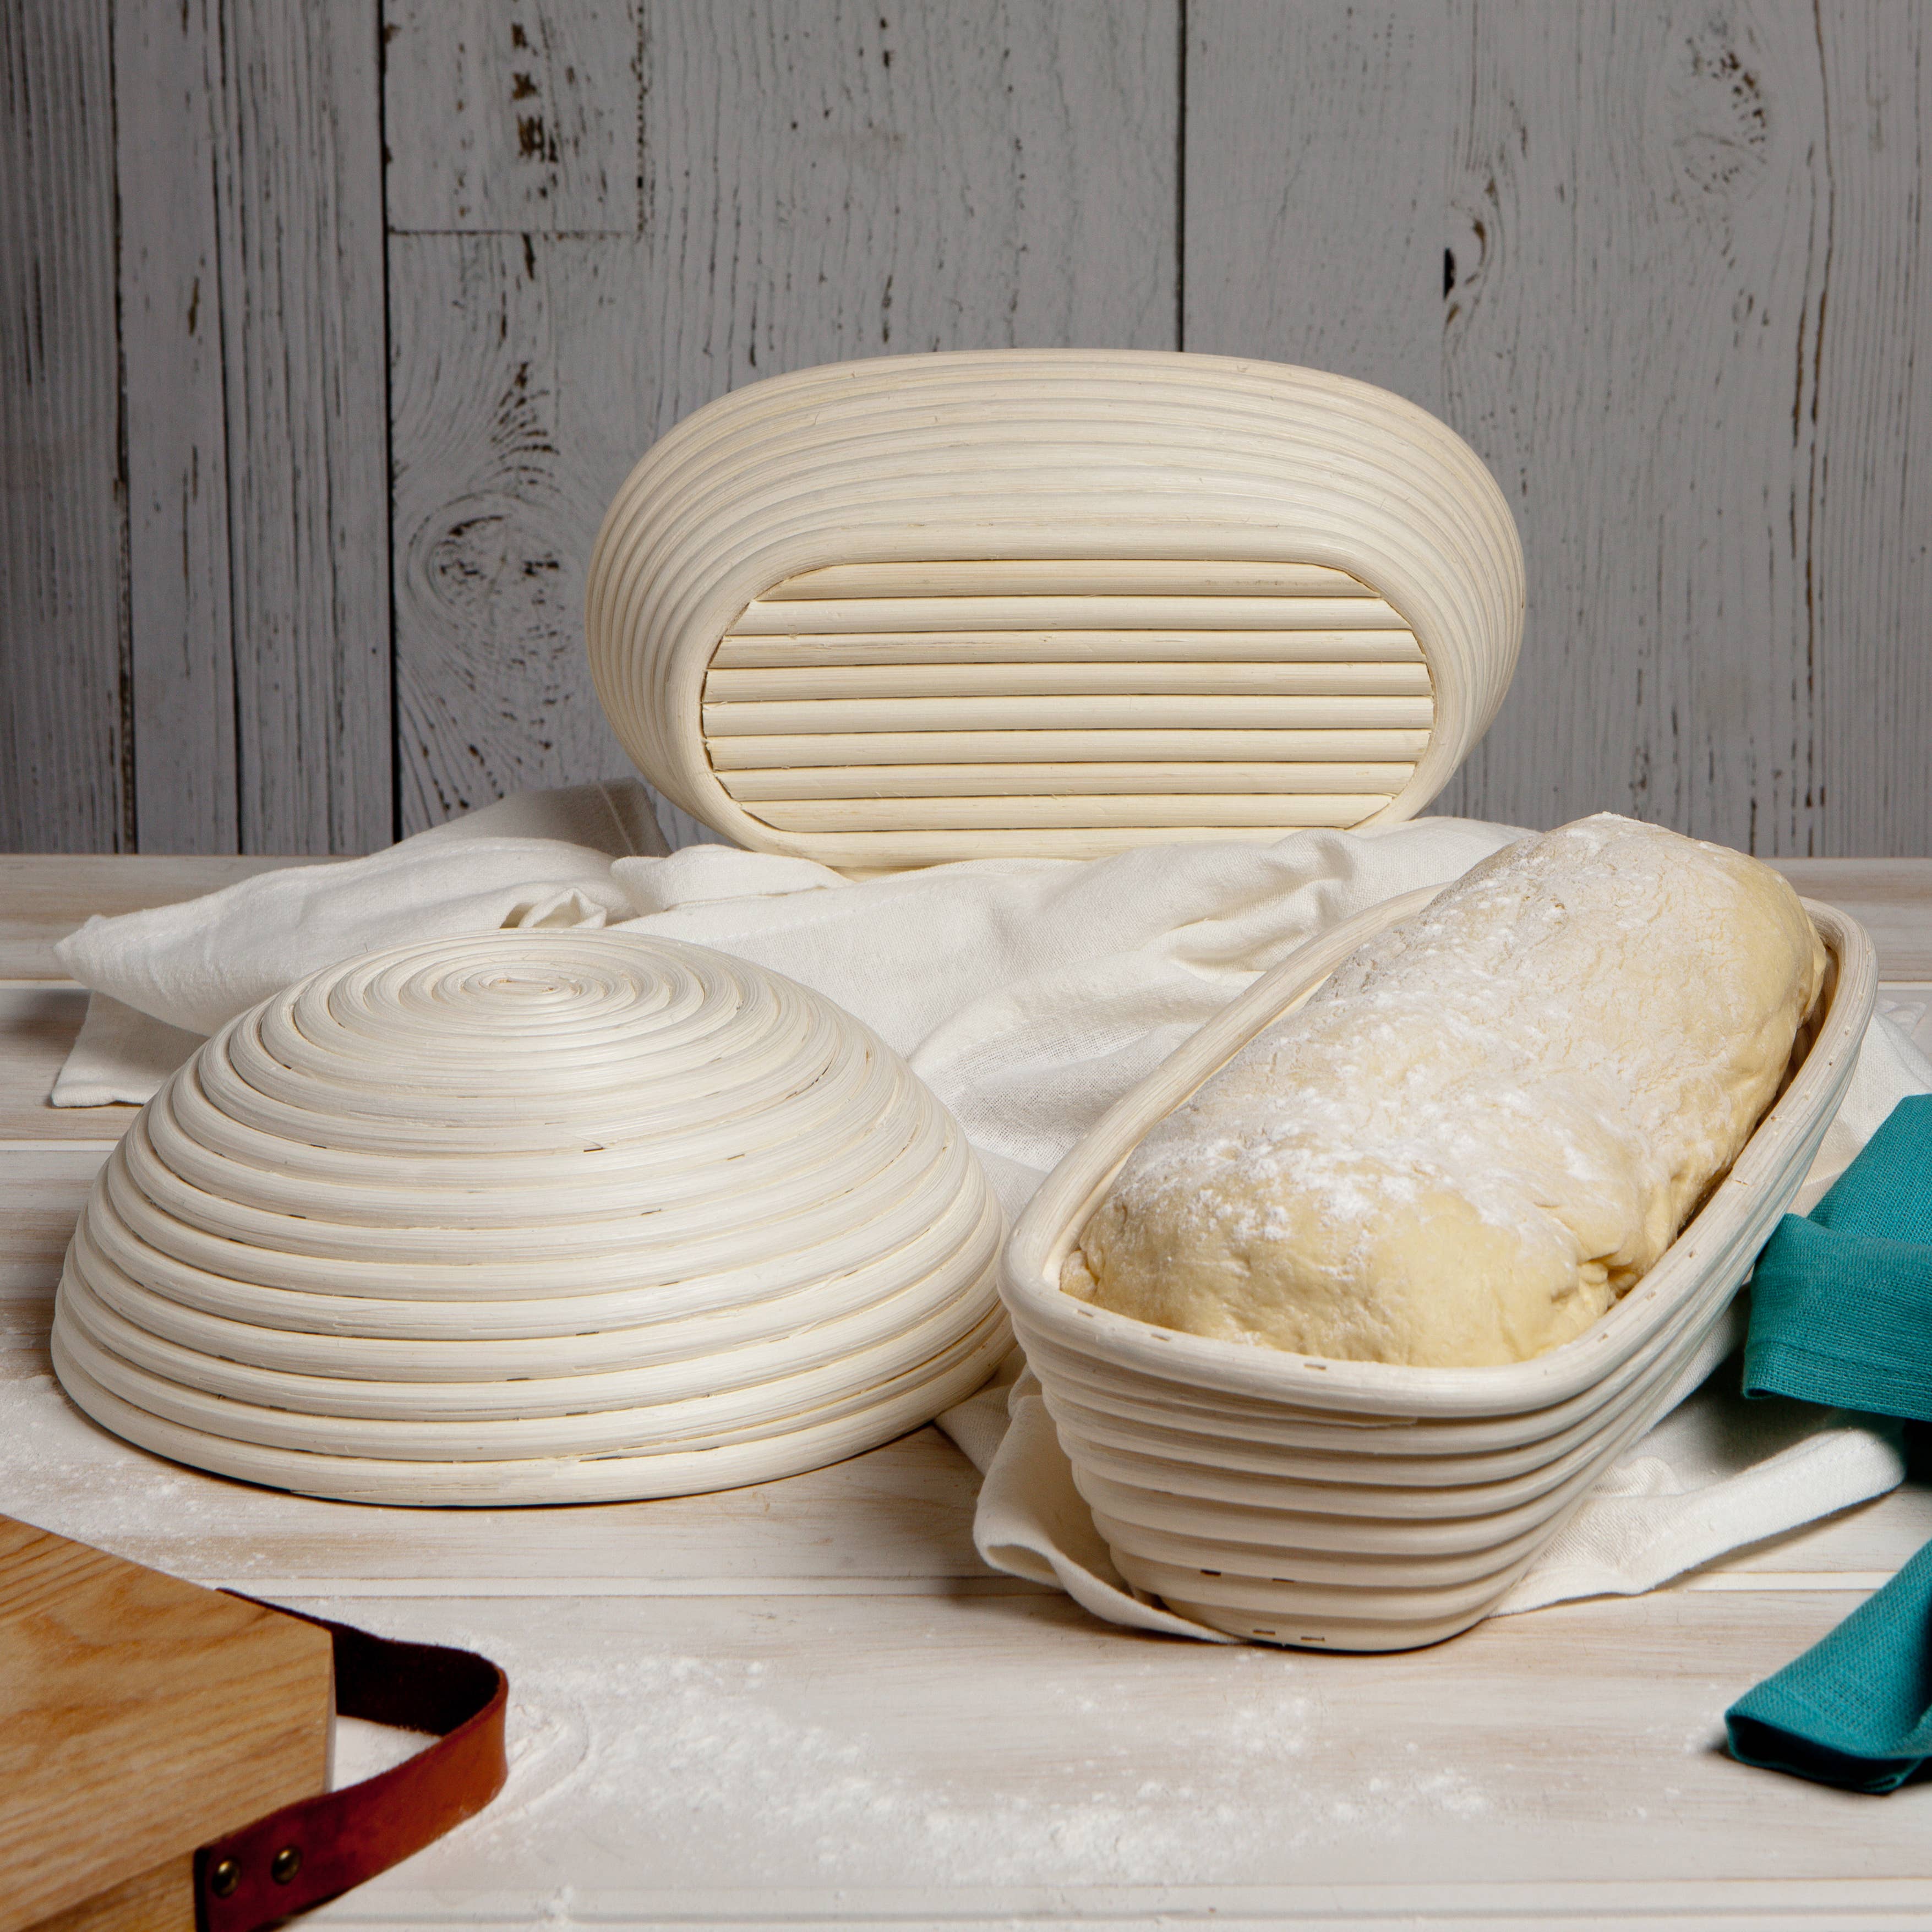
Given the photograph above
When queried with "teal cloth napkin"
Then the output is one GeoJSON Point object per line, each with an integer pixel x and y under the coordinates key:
{"type": "Point", "coordinates": [1856, 1708]}
{"type": "Point", "coordinates": [1841, 1313]}
{"type": "Point", "coordinates": [1841, 1303]}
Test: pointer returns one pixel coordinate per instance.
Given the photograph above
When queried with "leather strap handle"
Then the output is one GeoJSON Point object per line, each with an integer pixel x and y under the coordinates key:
{"type": "Point", "coordinates": [311, 1850]}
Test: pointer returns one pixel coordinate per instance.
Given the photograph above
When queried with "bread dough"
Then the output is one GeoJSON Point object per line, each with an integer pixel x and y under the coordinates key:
{"type": "Point", "coordinates": [1487, 1124]}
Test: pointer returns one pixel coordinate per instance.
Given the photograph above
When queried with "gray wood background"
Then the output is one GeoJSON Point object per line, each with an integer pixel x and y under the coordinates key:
{"type": "Point", "coordinates": [330, 326]}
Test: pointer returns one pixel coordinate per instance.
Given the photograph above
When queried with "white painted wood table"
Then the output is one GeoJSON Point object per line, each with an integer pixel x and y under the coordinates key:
{"type": "Point", "coordinates": [808, 1703]}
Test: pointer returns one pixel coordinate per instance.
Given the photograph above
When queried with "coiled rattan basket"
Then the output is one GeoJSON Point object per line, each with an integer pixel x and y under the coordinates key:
{"type": "Point", "coordinates": [534, 1216]}
{"type": "Point", "coordinates": [1059, 602]}
{"type": "Point", "coordinates": [1360, 1505]}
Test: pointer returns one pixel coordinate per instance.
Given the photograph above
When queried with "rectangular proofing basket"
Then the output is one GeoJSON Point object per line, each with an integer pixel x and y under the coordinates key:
{"type": "Point", "coordinates": [1365, 1505]}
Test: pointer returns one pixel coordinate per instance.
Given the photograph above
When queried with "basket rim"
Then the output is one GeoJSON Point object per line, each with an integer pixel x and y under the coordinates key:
{"type": "Point", "coordinates": [1743, 1206]}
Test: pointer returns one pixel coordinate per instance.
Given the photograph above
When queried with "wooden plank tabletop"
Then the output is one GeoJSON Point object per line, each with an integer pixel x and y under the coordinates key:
{"type": "Point", "coordinates": [808, 1703]}
{"type": "Point", "coordinates": [44, 896]}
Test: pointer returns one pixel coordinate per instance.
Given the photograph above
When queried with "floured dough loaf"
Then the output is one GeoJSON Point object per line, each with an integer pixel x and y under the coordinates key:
{"type": "Point", "coordinates": [1486, 1126]}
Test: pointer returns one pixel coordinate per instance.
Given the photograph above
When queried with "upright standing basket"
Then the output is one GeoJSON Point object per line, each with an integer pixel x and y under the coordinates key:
{"type": "Point", "coordinates": [1051, 602]}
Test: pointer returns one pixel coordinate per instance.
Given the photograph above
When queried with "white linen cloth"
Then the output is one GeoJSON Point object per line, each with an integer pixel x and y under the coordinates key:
{"type": "Point", "coordinates": [538, 858]}
{"type": "Point", "coordinates": [1029, 994]}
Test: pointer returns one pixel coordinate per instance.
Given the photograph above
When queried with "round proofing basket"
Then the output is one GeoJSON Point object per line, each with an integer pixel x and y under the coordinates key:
{"type": "Point", "coordinates": [1364, 1505]}
{"type": "Point", "coordinates": [533, 1216]}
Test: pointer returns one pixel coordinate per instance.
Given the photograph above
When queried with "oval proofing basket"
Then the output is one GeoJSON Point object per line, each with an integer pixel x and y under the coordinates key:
{"type": "Point", "coordinates": [1055, 603]}
{"type": "Point", "coordinates": [1364, 1505]}
{"type": "Point", "coordinates": [533, 1216]}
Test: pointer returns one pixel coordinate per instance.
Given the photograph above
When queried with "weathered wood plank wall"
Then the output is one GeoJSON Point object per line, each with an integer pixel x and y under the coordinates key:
{"type": "Point", "coordinates": [180, 623]}
{"type": "Point", "coordinates": [66, 743]}
{"type": "Point", "coordinates": [302, 298]}
{"type": "Point", "coordinates": [330, 328]}
{"type": "Point", "coordinates": [1636, 338]}
{"type": "Point", "coordinates": [816, 185]}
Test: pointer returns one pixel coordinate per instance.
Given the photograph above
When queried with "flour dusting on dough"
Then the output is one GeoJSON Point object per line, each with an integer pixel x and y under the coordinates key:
{"type": "Point", "coordinates": [1487, 1124]}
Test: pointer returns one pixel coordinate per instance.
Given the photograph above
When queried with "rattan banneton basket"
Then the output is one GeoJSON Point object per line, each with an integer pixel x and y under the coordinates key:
{"type": "Point", "coordinates": [1366, 1505]}
{"type": "Point", "coordinates": [533, 1216]}
{"type": "Point", "coordinates": [1051, 602]}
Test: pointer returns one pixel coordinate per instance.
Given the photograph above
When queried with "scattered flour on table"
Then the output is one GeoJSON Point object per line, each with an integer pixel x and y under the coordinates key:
{"type": "Point", "coordinates": [673, 1746]}
{"type": "Point", "coordinates": [686, 1749]}
{"type": "Point", "coordinates": [64, 1472]}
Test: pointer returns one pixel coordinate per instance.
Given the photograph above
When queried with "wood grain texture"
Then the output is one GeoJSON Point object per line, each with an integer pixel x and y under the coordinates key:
{"type": "Point", "coordinates": [1663, 265]}
{"type": "Point", "coordinates": [826, 182]}
{"type": "Point", "coordinates": [142, 1717]}
{"type": "Point", "coordinates": [41, 1192]}
{"type": "Point", "coordinates": [1886, 896]}
{"type": "Point", "coordinates": [818, 187]}
{"type": "Point", "coordinates": [170, 164]}
{"type": "Point", "coordinates": [38, 1024]}
{"type": "Point", "coordinates": [301, 276]}
{"type": "Point", "coordinates": [993, 1760]}
{"type": "Point", "coordinates": [518, 119]}
{"type": "Point", "coordinates": [64, 750]}
{"type": "Point", "coordinates": [1869, 664]}
{"type": "Point", "coordinates": [1679, 253]}
{"type": "Point", "coordinates": [1642, 200]}
{"type": "Point", "coordinates": [159, 1900]}
{"type": "Point", "coordinates": [518, 385]}
{"type": "Point", "coordinates": [43, 898]}
{"type": "Point", "coordinates": [1317, 147]}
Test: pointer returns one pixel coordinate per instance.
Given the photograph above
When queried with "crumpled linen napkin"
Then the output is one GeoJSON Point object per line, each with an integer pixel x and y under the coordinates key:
{"type": "Point", "coordinates": [538, 858]}
{"type": "Point", "coordinates": [1030, 995]}
{"type": "Point", "coordinates": [1844, 1313]}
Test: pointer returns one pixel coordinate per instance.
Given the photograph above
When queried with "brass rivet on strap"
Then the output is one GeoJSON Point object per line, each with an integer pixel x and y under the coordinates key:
{"type": "Point", "coordinates": [286, 1863]}
{"type": "Point", "coordinates": [225, 1877]}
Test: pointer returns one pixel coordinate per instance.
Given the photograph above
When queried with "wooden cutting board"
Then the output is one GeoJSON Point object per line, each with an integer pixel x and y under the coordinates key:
{"type": "Point", "coordinates": [140, 1717]}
